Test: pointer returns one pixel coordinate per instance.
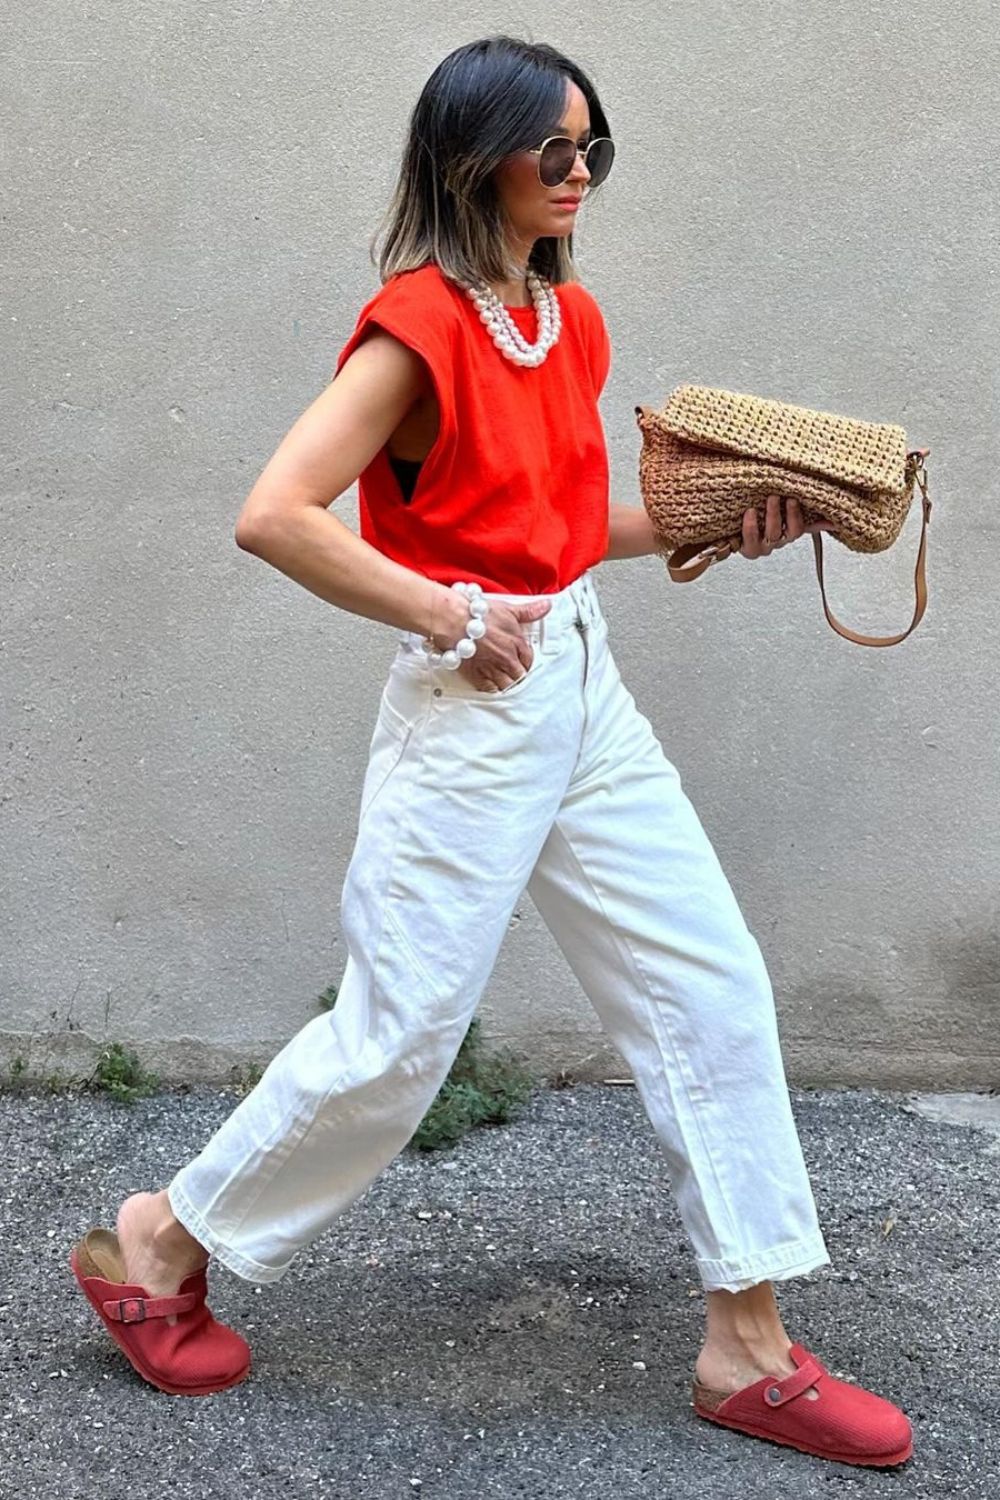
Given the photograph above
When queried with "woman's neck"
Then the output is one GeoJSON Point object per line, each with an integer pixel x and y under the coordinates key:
{"type": "Point", "coordinates": [514, 290]}
{"type": "Point", "coordinates": [512, 294]}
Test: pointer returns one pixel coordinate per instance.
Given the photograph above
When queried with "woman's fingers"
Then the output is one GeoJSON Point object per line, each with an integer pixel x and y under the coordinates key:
{"type": "Point", "coordinates": [495, 682]}
{"type": "Point", "coordinates": [755, 542]}
{"type": "Point", "coordinates": [795, 524]}
{"type": "Point", "coordinates": [489, 676]}
{"type": "Point", "coordinates": [751, 536]}
{"type": "Point", "coordinates": [761, 543]}
{"type": "Point", "coordinates": [773, 525]}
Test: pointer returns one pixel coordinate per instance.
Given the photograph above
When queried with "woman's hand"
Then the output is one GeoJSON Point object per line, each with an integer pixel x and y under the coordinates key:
{"type": "Point", "coordinates": [778, 529]}
{"type": "Point", "coordinates": [503, 656]}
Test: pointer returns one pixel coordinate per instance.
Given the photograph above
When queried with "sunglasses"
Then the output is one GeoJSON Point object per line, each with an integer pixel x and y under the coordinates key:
{"type": "Point", "coordinates": [557, 157]}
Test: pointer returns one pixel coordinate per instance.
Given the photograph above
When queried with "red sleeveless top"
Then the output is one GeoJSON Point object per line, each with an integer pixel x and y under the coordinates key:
{"type": "Point", "coordinates": [513, 495]}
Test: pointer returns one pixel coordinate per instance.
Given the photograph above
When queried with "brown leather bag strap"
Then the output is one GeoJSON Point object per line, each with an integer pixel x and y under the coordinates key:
{"type": "Point", "coordinates": [919, 577]}
{"type": "Point", "coordinates": [689, 562]}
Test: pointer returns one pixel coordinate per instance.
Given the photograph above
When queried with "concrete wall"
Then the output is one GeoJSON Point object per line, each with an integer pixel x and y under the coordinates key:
{"type": "Point", "coordinates": [804, 205]}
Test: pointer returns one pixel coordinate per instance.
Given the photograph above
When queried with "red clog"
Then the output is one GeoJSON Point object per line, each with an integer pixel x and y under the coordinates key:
{"type": "Point", "coordinates": [195, 1356]}
{"type": "Point", "coordinates": [843, 1423]}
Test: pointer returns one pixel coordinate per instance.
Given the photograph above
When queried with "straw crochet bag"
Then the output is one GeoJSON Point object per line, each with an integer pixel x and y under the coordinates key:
{"type": "Point", "coordinates": [710, 454]}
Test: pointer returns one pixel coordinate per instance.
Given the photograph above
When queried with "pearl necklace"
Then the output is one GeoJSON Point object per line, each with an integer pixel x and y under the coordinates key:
{"type": "Point", "coordinates": [504, 331]}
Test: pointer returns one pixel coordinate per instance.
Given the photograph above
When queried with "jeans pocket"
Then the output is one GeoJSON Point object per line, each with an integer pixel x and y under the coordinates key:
{"type": "Point", "coordinates": [457, 685]}
{"type": "Point", "coordinates": [399, 708]}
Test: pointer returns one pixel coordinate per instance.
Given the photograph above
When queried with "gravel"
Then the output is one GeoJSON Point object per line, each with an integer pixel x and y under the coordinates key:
{"type": "Point", "coordinates": [516, 1316]}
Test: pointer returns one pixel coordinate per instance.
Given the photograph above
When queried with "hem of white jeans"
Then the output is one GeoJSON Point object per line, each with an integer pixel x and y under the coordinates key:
{"type": "Point", "coordinates": [195, 1223]}
{"type": "Point", "coordinates": [780, 1264]}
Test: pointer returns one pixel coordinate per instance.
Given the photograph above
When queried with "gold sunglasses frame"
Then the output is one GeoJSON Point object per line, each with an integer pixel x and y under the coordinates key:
{"type": "Point", "coordinates": [580, 151]}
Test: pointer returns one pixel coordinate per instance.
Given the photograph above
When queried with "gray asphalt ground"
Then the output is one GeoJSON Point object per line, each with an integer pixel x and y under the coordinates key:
{"type": "Point", "coordinates": [516, 1316]}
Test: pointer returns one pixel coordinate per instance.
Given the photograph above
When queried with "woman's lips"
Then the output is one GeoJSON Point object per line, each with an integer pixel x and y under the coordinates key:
{"type": "Point", "coordinates": [566, 203]}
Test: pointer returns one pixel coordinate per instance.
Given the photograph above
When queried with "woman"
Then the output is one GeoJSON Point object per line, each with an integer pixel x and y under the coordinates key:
{"type": "Point", "coordinates": [507, 753]}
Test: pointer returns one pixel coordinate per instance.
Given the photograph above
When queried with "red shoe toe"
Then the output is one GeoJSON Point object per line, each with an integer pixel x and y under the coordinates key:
{"type": "Point", "coordinates": [843, 1422]}
{"type": "Point", "coordinates": [196, 1356]}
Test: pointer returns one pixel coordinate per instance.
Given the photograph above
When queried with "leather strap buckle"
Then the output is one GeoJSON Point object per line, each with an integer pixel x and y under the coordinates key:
{"type": "Point", "coordinates": [809, 1373]}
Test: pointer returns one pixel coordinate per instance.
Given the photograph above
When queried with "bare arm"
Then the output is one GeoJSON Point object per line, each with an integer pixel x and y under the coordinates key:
{"type": "Point", "coordinates": [285, 518]}
{"type": "Point", "coordinates": [629, 532]}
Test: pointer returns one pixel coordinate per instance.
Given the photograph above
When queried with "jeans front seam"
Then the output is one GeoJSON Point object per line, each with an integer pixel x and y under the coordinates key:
{"type": "Point", "coordinates": [664, 1042]}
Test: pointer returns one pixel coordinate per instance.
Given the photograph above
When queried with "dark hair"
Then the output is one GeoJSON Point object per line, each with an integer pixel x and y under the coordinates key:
{"type": "Point", "coordinates": [483, 102]}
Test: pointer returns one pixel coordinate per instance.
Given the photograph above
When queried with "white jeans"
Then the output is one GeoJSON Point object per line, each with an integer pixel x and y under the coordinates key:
{"type": "Point", "coordinates": [557, 784]}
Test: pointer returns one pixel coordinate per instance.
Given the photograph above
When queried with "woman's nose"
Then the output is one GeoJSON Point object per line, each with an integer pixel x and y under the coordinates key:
{"type": "Point", "coordinates": [580, 168]}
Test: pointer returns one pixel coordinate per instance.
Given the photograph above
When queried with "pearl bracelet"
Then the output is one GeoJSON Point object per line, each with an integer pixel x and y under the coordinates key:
{"type": "Point", "coordinates": [453, 658]}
